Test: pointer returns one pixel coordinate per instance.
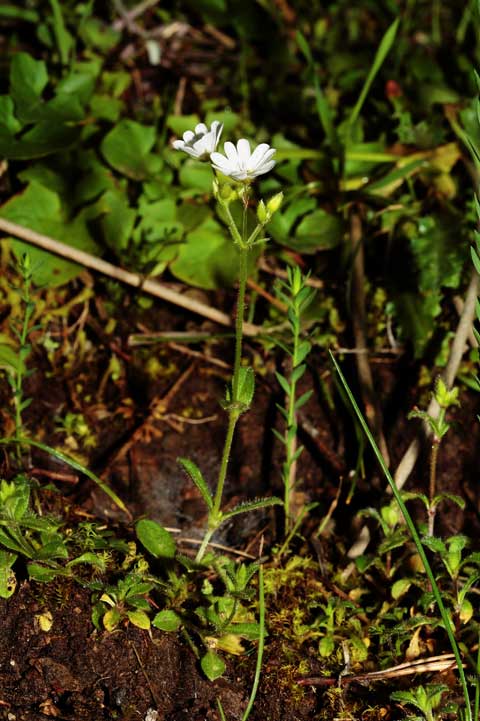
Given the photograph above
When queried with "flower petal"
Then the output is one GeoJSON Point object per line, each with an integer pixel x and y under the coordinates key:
{"type": "Point", "coordinates": [231, 152]}
{"type": "Point", "coordinates": [178, 144]}
{"type": "Point", "coordinates": [264, 168]}
{"type": "Point", "coordinates": [222, 163]}
{"type": "Point", "coordinates": [188, 136]}
{"type": "Point", "coordinates": [243, 150]}
{"type": "Point", "coordinates": [258, 153]}
{"type": "Point", "coordinates": [201, 129]}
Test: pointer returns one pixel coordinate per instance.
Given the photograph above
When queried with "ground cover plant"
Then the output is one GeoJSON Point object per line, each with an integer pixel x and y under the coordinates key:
{"type": "Point", "coordinates": [238, 360]}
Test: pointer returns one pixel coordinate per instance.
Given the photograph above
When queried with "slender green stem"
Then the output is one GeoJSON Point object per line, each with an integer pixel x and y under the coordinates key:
{"type": "Point", "coordinates": [261, 644]}
{"type": "Point", "coordinates": [215, 516]}
{"type": "Point", "coordinates": [232, 421]}
{"type": "Point", "coordinates": [242, 283]}
{"type": "Point", "coordinates": [432, 485]}
{"type": "Point", "coordinates": [291, 436]}
{"type": "Point", "coordinates": [447, 621]}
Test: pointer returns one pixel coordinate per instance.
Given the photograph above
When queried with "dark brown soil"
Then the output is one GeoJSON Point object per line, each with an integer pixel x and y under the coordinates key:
{"type": "Point", "coordinates": [142, 424]}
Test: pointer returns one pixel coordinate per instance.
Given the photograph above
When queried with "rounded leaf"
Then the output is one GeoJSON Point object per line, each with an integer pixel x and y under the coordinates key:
{"type": "Point", "coordinates": [213, 666]}
{"type": "Point", "coordinates": [139, 619]}
{"type": "Point", "coordinates": [167, 620]}
{"type": "Point", "coordinates": [155, 539]}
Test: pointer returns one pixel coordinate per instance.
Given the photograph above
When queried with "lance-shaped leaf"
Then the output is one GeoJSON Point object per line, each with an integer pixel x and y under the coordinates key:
{"type": "Point", "coordinates": [253, 506]}
{"type": "Point", "coordinates": [196, 475]}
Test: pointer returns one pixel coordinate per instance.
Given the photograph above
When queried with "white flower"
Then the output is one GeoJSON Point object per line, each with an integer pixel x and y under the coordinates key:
{"type": "Point", "coordinates": [240, 163]}
{"type": "Point", "coordinates": [202, 142]}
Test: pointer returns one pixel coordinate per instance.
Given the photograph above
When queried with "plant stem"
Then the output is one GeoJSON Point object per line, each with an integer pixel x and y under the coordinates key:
{"type": "Point", "coordinates": [232, 421]}
{"type": "Point", "coordinates": [234, 410]}
{"type": "Point", "coordinates": [261, 643]}
{"type": "Point", "coordinates": [432, 485]}
{"type": "Point", "coordinates": [291, 436]}
{"type": "Point", "coordinates": [239, 320]}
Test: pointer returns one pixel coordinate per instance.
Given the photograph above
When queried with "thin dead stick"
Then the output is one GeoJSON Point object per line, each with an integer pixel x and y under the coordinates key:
{"type": "Point", "coordinates": [438, 664]}
{"type": "Point", "coordinates": [127, 17]}
{"type": "Point", "coordinates": [406, 465]}
{"type": "Point", "coordinates": [136, 280]}
{"type": "Point", "coordinates": [367, 389]}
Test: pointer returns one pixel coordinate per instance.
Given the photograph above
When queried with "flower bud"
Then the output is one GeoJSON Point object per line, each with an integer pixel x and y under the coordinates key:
{"type": "Point", "coordinates": [274, 203]}
{"type": "Point", "coordinates": [262, 214]}
{"type": "Point", "coordinates": [227, 193]}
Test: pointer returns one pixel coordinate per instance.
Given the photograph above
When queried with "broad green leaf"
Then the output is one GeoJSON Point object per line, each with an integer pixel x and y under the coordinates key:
{"type": "Point", "coordinates": [246, 386]}
{"type": "Point", "coordinates": [9, 357]}
{"type": "Point", "coordinates": [196, 475]}
{"type": "Point", "coordinates": [229, 119]}
{"type": "Point", "coordinates": [155, 539]}
{"type": "Point", "coordinates": [28, 79]}
{"type": "Point", "coordinates": [8, 121]}
{"type": "Point", "coordinates": [212, 665]}
{"type": "Point", "coordinates": [400, 587]}
{"type": "Point", "coordinates": [40, 209]}
{"type": "Point", "coordinates": [78, 84]}
{"type": "Point", "coordinates": [208, 258]}
{"type": "Point", "coordinates": [196, 175]}
{"type": "Point", "coordinates": [139, 619]}
{"type": "Point", "coordinates": [127, 149]}
{"type": "Point", "coordinates": [318, 231]}
{"type": "Point", "coordinates": [111, 619]}
{"type": "Point", "coordinates": [42, 574]}
{"type": "Point", "coordinates": [179, 124]}
{"type": "Point", "coordinates": [98, 34]}
{"type": "Point", "coordinates": [118, 219]}
{"type": "Point", "coordinates": [167, 620]}
{"type": "Point", "coordinates": [326, 646]}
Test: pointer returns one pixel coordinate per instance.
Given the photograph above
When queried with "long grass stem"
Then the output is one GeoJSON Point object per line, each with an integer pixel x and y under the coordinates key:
{"type": "Point", "coordinates": [447, 621]}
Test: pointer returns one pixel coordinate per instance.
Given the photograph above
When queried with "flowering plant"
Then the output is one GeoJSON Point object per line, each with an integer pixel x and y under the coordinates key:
{"type": "Point", "coordinates": [201, 142]}
{"type": "Point", "coordinates": [241, 165]}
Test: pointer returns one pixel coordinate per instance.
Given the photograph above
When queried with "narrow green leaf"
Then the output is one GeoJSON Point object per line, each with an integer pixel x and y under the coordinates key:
{"type": "Point", "coordinates": [278, 436]}
{"type": "Point", "coordinates": [253, 506]}
{"type": "Point", "coordinates": [303, 350]}
{"type": "Point", "coordinates": [73, 464]}
{"type": "Point", "coordinates": [303, 399]}
{"type": "Point", "coordinates": [283, 383]}
{"type": "Point", "coordinates": [475, 259]}
{"type": "Point", "coordinates": [196, 475]}
{"type": "Point", "coordinates": [382, 52]}
{"type": "Point", "coordinates": [297, 373]}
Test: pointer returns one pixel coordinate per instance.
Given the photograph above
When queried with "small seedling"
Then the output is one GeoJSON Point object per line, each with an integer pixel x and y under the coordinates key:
{"type": "Point", "coordinates": [297, 296]}
{"type": "Point", "coordinates": [426, 699]}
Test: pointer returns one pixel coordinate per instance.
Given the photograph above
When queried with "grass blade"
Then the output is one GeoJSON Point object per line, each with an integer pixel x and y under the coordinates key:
{"type": "Point", "coordinates": [73, 464]}
{"type": "Point", "coordinates": [447, 622]}
{"type": "Point", "coordinates": [382, 52]}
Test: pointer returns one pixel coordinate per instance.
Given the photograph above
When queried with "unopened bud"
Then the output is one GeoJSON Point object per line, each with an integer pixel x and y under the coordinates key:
{"type": "Point", "coordinates": [274, 203]}
{"type": "Point", "coordinates": [227, 193]}
{"type": "Point", "coordinates": [262, 214]}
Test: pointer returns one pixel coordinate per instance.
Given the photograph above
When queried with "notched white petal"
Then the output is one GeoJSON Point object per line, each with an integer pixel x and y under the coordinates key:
{"type": "Point", "coordinates": [243, 150]}
{"type": "Point", "coordinates": [258, 154]}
